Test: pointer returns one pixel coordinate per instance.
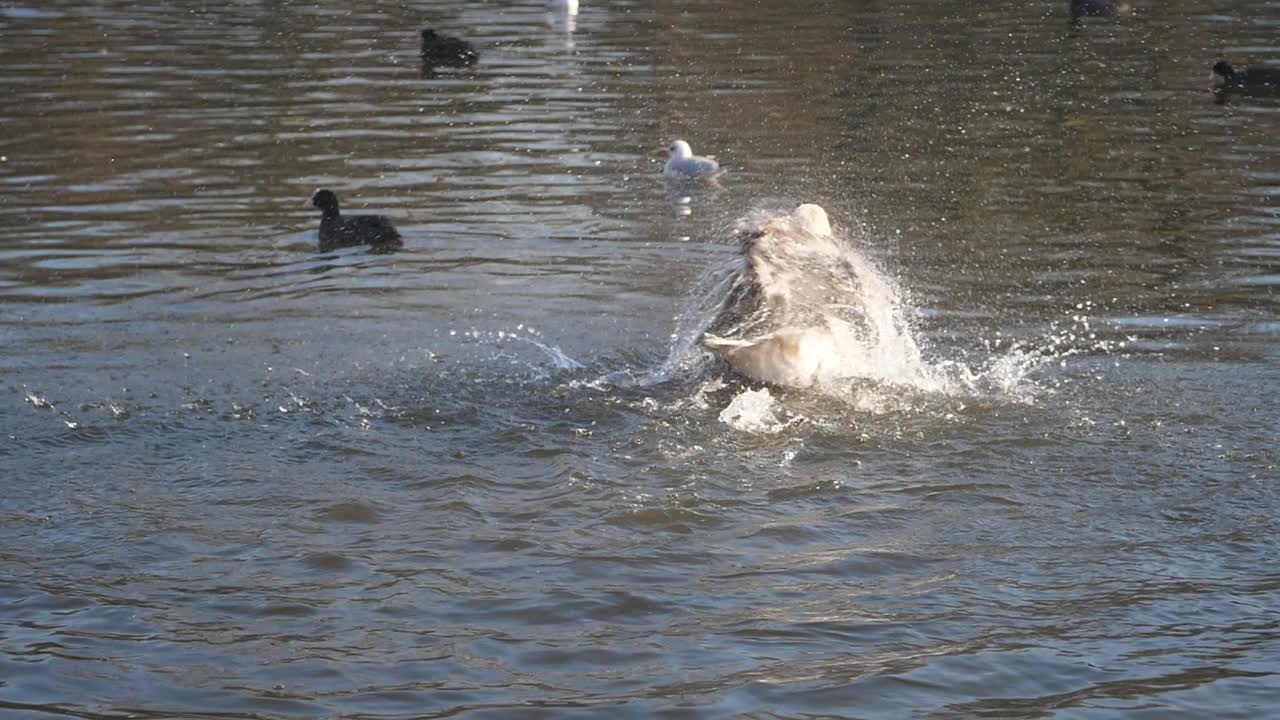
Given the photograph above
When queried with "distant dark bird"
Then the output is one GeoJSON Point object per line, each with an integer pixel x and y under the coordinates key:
{"type": "Point", "coordinates": [1250, 79]}
{"type": "Point", "coordinates": [338, 231]}
{"type": "Point", "coordinates": [1098, 8]}
{"type": "Point", "coordinates": [445, 50]}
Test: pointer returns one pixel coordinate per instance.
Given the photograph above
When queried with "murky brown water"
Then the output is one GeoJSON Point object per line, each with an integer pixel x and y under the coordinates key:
{"type": "Point", "coordinates": [486, 477]}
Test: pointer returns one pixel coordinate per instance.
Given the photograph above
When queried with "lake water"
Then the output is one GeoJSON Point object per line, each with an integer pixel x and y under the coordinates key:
{"type": "Point", "coordinates": [492, 476]}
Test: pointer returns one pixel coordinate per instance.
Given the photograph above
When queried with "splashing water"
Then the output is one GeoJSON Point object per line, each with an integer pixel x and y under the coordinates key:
{"type": "Point", "coordinates": [841, 307]}
{"type": "Point", "coordinates": [754, 411]}
{"type": "Point", "coordinates": [501, 340]}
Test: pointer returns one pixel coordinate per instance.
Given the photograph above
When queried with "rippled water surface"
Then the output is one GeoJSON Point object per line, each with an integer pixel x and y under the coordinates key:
{"type": "Point", "coordinates": [492, 476]}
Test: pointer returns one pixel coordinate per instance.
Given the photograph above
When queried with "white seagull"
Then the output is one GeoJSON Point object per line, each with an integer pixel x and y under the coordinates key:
{"type": "Point", "coordinates": [684, 165]}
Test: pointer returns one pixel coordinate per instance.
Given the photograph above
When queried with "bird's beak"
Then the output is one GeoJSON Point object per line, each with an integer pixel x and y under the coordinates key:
{"type": "Point", "coordinates": [662, 152]}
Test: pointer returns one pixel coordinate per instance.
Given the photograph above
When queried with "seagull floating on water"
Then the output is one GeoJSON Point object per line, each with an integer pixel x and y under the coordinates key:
{"type": "Point", "coordinates": [563, 13]}
{"type": "Point", "coordinates": [684, 165]}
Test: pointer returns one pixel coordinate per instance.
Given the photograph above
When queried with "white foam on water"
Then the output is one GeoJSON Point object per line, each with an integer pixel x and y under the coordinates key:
{"type": "Point", "coordinates": [753, 411]}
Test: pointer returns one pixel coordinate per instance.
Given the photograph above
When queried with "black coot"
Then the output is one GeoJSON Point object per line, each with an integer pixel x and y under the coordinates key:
{"type": "Point", "coordinates": [1250, 79]}
{"type": "Point", "coordinates": [440, 49]}
{"type": "Point", "coordinates": [337, 230]}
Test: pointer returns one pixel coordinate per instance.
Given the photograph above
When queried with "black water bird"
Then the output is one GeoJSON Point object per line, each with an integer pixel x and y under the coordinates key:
{"type": "Point", "coordinates": [1098, 8]}
{"type": "Point", "coordinates": [1224, 77]}
{"type": "Point", "coordinates": [445, 50]}
{"type": "Point", "coordinates": [337, 230]}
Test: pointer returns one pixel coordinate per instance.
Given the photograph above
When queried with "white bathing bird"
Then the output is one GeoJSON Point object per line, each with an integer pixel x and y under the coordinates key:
{"type": "Point", "coordinates": [780, 341]}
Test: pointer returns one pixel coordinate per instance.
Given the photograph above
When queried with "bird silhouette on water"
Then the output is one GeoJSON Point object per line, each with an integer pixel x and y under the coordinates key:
{"type": "Point", "coordinates": [445, 50]}
{"type": "Point", "coordinates": [1257, 80]}
{"type": "Point", "coordinates": [1098, 8]}
{"type": "Point", "coordinates": [337, 230]}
